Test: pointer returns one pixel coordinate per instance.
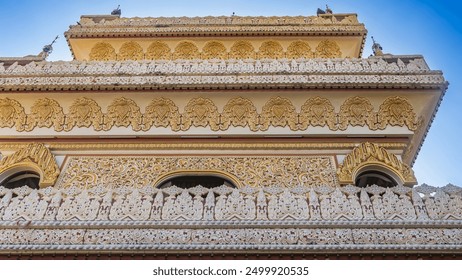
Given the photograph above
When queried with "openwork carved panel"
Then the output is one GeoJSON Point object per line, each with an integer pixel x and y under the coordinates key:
{"type": "Point", "coordinates": [138, 171]}
{"type": "Point", "coordinates": [372, 154]}
{"type": "Point", "coordinates": [158, 51]}
{"type": "Point", "coordinates": [131, 51]}
{"type": "Point", "coordinates": [103, 51]}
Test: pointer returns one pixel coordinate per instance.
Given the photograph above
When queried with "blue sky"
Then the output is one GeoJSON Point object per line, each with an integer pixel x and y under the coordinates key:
{"type": "Point", "coordinates": [431, 28]}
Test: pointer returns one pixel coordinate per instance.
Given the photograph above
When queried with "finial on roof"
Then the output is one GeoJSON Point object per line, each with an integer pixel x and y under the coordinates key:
{"type": "Point", "coordinates": [328, 10]}
{"type": "Point", "coordinates": [322, 12]}
{"type": "Point", "coordinates": [376, 48]}
{"type": "Point", "coordinates": [117, 11]}
{"type": "Point", "coordinates": [47, 49]}
{"type": "Point", "coordinates": [233, 14]}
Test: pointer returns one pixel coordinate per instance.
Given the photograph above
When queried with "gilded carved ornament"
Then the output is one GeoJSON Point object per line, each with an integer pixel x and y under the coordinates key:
{"type": "Point", "coordinates": [202, 112]}
{"type": "Point", "coordinates": [278, 111]}
{"type": "Point", "coordinates": [373, 155]}
{"type": "Point", "coordinates": [12, 114]}
{"type": "Point", "coordinates": [240, 111]}
{"type": "Point", "coordinates": [159, 51]}
{"type": "Point", "coordinates": [34, 157]}
{"type": "Point", "coordinates": [131, 51]}
{"type": "Point", "coordinates": [318, 111]}
{"type": "Point", "coordinates": [186, 50]}
{"type": "Point", "coordinates": [397, 111]}
{"type": "Point", "coordinates": [46, 112]}
{"type": "Point", "coordinates": [123, 112]}
{"type": "Point", "coordinates": [162, 112]}
{"type": "Point", "coordinates": [357, 111]}
{"type": "Point", "coordinates": [214, 50]}
{"type": "Point", "coordinates": [270, 49]}
{"type": "Point", "coordinates": [242, 50]}
{"type": "Point", "coordinates": [299, 49]}
{"type": "Point", "coordinates": [103, 51]}
{"type": "Point", "coordinates": [328, 49]}
{"type": "Point", "coordinates": [84, 112]}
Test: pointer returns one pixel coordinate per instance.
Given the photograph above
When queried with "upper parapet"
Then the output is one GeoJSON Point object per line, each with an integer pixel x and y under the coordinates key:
{"type": "Point", "coordinates": [235, 37]}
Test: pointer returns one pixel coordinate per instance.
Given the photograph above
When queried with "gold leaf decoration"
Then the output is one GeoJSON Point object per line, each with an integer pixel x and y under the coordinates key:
{"type": "Point", "coordinates": [278, 111]}
{"type": "Point", "coordinates": [102, 51]}
{"type": "Point", "coordinates": [371, 154]}
{"type": "Point", "coordinates": [162, 112]}
{"type": "Point", "coordinates": [186, 50]}
{"type": "Point", "coordinates": [299, 49]}
{"type": "Point", "coordinates": [12, 114]}
{"type": "Point", "coordinates": [317, 111]}
{"type": "Point", "coordinates": [46, 113]}
{"type": "Point", "coordinates": [242, 50]}
{"type": "Point", "coordinates": [201, 112]}
{"type": "Point", "coordinates": [214, 50]}
{"type": "Point", "coordinates": [84, 112]}
{"type": "Point", "coordinates": [35, 157]}
{"type": "Point", "coordinates": [131, 51]}
{"type": "Point", "coordinates": [159, 51]}
{"type": "Point", "coordinates": [357, 111]}
{"type": "Point", "coordinates": [328, 49]}
{"type": "Point", "coordinates": [397, 111]}
{"type": "Point", "coordinates": [239, 112]}
{"type": "Point", "coordinates": [123, 112]}
{"type": "Point", "coordinates": [271, 49]}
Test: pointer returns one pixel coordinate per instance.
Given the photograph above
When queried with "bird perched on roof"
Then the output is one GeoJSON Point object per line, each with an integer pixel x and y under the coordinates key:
{"type": "Point", "coordinates": [322, 12]}
{"type": "Point", "coordinates": [117, 12]}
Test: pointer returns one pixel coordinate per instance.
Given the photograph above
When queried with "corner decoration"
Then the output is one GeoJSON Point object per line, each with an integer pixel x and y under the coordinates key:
{"type": "Point", "coordinates": [370, 154]}
{"type": "Point", "coordinates": [36, 157]}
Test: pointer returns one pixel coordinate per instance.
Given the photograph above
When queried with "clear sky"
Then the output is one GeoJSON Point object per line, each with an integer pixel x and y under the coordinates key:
{"type": "Point", "coordinates": [432, 28]}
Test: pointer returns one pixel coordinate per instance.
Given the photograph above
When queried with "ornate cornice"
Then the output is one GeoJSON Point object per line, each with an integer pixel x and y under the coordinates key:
{"type": "Point", "coordinates": [34, 157]}
{"type": "Point", "coordinates": [339, 24]}
{"type": "Point", "coordinates": [202, 112]}
{"type": "Point", "coordinates": [391, 72]}
{"type": "Point", "coordinates": [371, 154]}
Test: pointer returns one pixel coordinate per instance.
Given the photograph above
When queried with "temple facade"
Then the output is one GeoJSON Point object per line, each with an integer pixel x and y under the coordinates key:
{"type": "Point", "coordinates": [220, 137]}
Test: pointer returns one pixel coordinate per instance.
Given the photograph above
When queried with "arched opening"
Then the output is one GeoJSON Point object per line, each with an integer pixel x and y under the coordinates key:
{"type": "Point", "coordinates": [23, 178]}
{"type": "Point", "coordinates": [374, 177]}
{"type": "Point", "coordinates": [186, 181]}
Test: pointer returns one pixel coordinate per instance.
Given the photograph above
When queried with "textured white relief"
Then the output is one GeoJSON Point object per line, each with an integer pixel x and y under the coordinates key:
{"type": "Point", "coordinates": [224, 203]}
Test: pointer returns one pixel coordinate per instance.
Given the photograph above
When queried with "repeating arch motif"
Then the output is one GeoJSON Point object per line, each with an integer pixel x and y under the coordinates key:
{"type": "Point", "coordinates": [202, 112]}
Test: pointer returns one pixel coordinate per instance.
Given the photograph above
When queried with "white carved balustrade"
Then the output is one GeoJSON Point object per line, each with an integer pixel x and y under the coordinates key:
{"type": "Point", "coordinates": [225, 203]}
